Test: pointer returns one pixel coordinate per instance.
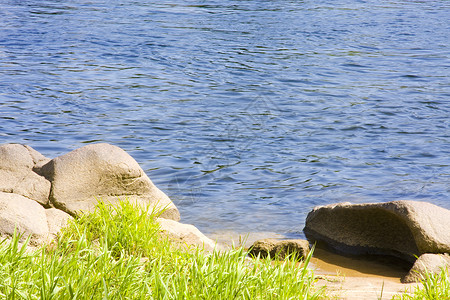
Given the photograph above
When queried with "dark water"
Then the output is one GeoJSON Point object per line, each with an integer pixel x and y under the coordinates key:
{"type": "Point", "coordinates": [246, 113]}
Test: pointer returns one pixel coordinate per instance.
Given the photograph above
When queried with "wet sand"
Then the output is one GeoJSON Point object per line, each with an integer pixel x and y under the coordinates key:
{"type": "Point", "coordinates": [328, 263]}
{"type": "Point", "coordinates": [359, 277]}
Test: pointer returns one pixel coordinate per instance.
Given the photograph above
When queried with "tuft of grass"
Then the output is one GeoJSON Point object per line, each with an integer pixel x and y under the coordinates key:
{"type": "Point", "coordinates": [433, 287]}
{"type": "Point", "coordinates": [118, 253]}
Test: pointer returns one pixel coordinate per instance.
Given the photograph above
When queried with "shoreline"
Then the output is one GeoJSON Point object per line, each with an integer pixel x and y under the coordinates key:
{"type": "Point", "coordinates": [325, 262]}
{"type": "Point", "coordinates": [345, 277]}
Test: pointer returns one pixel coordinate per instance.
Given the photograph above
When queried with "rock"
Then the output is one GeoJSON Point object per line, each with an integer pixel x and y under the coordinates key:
{"type": "Point", "coordinates": [431, 263]}
{"type": "Point", "coordinates": [279, 248]}
{"type": "Point", "coordinates": [185, 234]}
{"type": "Point", "coordinates": [18, 164]}
{"type": "Point", "coordinates": [56, 220]}
{"type": "Point", "coordinates": [232, 239]}
{"type": "Point", "coordinates": [405, 229]}
{"type": "Point", "coordinates": [25, 215]}
{"type": "Point", "coordinates": [101, 171]}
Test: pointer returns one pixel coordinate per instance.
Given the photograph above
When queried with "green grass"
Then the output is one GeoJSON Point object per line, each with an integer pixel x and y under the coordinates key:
{"type": "Point", "coordinates": [433, 287]}
{"type": "Point", "coordinates": [119, 254]}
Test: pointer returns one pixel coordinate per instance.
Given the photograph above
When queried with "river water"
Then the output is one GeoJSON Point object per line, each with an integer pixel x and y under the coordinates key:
{"type": "Point", "coordinates": [246, 113]}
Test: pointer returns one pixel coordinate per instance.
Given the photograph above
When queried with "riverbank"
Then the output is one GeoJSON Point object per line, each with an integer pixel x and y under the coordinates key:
{"type": "Point", "coordinates": [352, 278]}
{"type": "Point", "coordinates": [68, 188]}
{"type": "Point", "coordinates": [119, 252]}
{"type": "Point", "coordinates": [343, 277]}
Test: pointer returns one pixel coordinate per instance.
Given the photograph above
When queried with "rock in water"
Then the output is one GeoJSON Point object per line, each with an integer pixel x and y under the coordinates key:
{"type": "Point", "coordinates": [102, 171]}
{"type": "Point", "coordinates": [405, 229]}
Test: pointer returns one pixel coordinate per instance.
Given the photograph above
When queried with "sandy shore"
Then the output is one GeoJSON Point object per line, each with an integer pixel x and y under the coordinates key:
{"type": "Point", "coordinates": [344, 277]}
{"type": "Point", "coordinates": [359, 278]}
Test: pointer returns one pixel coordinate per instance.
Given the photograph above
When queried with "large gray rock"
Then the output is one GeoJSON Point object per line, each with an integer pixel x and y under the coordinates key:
{"type": "Point", "coordinates": [186, 235]}
{"type": "Point", "coordinates": [18, 164]}
{"type": "Point", "coordinates": [427, 264]}
{"type": "Point", "coordinates": [56, 220]}
{"type": "Point", "coordinates": [405, 229]}
{"type": "Point", "coordinates": [280, 248]}
{"type": "Point", "coordinates": [25, 216]}
{"type": "Point", "coordinates": [101, 171]}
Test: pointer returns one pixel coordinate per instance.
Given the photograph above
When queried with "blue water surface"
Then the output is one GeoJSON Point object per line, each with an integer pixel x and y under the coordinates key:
{"type": "Point", "coordinates": [247, 113]}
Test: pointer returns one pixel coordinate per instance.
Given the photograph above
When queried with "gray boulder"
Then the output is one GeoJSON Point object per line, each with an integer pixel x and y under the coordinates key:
{"type": "Point", "coordinates": [101, 171]}
{"type": "Point", "coordinates": [280, 248]}
{"type": "Point", "coordinates": [427, 263]}
{"type": "Point", "coordinates": [56, 220]}
{"type": "Point", "coordinates": [185, 235]}
{"type": "Point", "coordinates": [25, 216]}
{"type": "Point", "coordinates": [405, 229]}
{"type": "Point", "coordinates": [18, 164]}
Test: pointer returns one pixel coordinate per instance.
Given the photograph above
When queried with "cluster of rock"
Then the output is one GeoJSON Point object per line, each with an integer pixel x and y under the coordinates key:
{"type": "Point", "coordinates": [417, 232]}
{"type": "Point", "coordinates": [39, 195]}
